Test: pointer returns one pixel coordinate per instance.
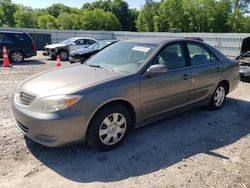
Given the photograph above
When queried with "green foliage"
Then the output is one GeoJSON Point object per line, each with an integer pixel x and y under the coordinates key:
{"type": "Point", "coordinates": [194, 16]}
{"type": "Point", "coordinates": [148, 16]}
{"type": "Point", "coordinates": [118, 7]}
{"type": "Point", "coordinates": [133, 16]}
{"type": "Point", "coordinates": [8, 10]}
{"type": "Point", "coordinates": [57, 9]}
{"type": "Point", "coordinates": [98, 19]}
{"type": "Point", "coordinates": [156, 15]}
{"type": "Point", "coordinates": [1, 17]}
{"type": "Point", "coordinates": [25, 17]}
{"type": "Point", "coordinates": [47, 22]}
{"type": "Point", "coordinates": [247, 24]}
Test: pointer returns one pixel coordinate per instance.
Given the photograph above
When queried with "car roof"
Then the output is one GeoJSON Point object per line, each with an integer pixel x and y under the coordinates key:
{"type": "Point", "coordinates": [76, 38]}
{"type": "Point", "coordinates": [16, 32]}
{"type": "Point", "coordinates": [111, 40]}
{"type": "Point", "coordinates": [159, 40]}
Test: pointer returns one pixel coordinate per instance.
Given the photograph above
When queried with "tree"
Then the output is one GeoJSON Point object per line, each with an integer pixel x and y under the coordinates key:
{"type": "Point", "coordinates": [199, 15]}
{"type": "Point", "coordinates": [118, 7]}
{"type": "Point", "coordinates": [25, 17]}
{"type": "Point", "coordinates": [171, 15]}
{"type": "Point", "coordinates": [1, 17]}
{"type": "Point", "coordinates": [236, 19]}
{"type": "Point", "coordinates": [69, 21]}
{"type": "Point", "coordinates": [133, 16]}
{"type": "Point", "coordinates": [8, 10]}
{"type": "Point", "coordinates": [57, 9]}
{"type": "Point", "coordinates": [222, 14]}
{"type": "Point", "coordinates": [246, 24]}
{"type": "Point", "coordinates": [98, 19]}
{"type": "Point", "coordinates": [47, 22]}
{"type": "Point", "coordinates": [148, 17]}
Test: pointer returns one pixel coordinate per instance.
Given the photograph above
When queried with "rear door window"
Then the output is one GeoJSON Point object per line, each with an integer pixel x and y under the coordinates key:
{"type": "Point", "coordinates": [4, 38]}
{"type": "Point", "coordinates": [89, 41]}
{"type": "Point", "coordinates": [200, 55]}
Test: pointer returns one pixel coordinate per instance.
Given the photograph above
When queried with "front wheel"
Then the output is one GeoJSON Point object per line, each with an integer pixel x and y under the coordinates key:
{"type": "Point", "coordinates": [218, 98]}
{"type": "Point", "coordinates": [109, 127]}
{"type": "Point", "coordinates": [63, 55]}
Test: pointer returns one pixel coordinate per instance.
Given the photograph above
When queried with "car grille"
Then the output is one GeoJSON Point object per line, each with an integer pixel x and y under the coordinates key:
{"type": "Point", "coordinates": [26, 98]}
{"type": "Point", "coordinates": [244, 64]}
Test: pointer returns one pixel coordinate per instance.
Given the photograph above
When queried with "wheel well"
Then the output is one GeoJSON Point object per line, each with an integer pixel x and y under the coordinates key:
{"type": "Point", "coordinates": [226, 83]}
{"type": "Point", "coordinates": [126, 104]}
{"type": "Point", "coordinates": [18, 50]}
{"type": "Point", "coordinates": [62, 50]}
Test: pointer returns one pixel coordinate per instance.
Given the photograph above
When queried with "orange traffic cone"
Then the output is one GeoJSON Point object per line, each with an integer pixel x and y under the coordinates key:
{"type": "Point", "coordinates": [6, 61]}
{"type": "Point", "coordinates": [58, 61]}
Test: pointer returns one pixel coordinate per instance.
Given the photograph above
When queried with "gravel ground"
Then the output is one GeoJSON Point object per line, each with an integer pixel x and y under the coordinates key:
{"type": "Point", "coordinates": [198, 148]}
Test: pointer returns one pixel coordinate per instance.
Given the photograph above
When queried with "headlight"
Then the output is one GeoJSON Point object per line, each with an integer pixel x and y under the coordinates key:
{"type": "Point", "coordinates": [54, 103]}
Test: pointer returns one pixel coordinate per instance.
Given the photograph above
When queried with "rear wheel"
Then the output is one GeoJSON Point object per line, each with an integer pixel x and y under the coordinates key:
{"type": "Point", "coordinates": [218, 98]}
{"type": "Point", "coordinates": [16, 57]}
{"type": "Point", "coordinates": [109, 127]}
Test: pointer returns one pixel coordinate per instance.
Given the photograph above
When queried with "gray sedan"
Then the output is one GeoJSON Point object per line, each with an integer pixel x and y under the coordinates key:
{"type": "Point", "coordinates": [127, 85]}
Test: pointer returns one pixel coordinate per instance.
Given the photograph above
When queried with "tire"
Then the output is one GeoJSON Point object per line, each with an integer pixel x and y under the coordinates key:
{"type": "Point", "coordinates": [218, 97]}
{"type": "Point", "coordinates": [16, 57]}
{"type": "Point", "coordinates": [105, 133]}
{"type": "Point", "coordinates": [63, 55]}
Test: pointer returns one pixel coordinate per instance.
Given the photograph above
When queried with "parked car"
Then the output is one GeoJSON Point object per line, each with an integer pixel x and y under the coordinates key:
{"type": "Point", "coordinates": [128, 84]}
{"type": "Point", "coordinates": [83, 54]}
{"type": "Point", "coordinates": [18, 44]}
{"type": "Point", "coordinates": [65, 47]}
{"type": "Point", "coordinates": [244, 60]}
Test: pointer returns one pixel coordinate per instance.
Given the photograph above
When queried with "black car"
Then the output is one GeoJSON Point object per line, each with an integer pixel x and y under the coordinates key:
{"type": "Point", "coordinates": [244, 60]}
{"type": "Point", "coordinates": [83, 54]}
{"type": "Point", "coordinates": [18, 44]}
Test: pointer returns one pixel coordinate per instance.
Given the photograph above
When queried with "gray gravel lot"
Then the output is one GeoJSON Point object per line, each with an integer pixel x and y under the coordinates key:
{"type": "Point", "coordinates": [198, 148]}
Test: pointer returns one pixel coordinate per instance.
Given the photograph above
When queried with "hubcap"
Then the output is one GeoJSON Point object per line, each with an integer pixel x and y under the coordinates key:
{"type": "Point", "coordinates": [219, 96]}
{"type": "Point", "coordinates": [63, 55]}
{"type": "Point", "coordinates": [17, 57]}
{"type": "Point", "coordinates": [112, 129]}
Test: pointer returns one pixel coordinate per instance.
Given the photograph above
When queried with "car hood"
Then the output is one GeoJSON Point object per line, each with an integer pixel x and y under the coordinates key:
{"type": "Point", "coordinates": [55, 46]}
{"type": "Point", "coordinates": [82, 51]}
{"type": "Point", "coordinates": [66, 80]}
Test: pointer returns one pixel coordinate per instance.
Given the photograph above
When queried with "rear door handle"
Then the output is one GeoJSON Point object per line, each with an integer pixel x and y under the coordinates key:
{"type": "Point", "coordinates": [185, 76]}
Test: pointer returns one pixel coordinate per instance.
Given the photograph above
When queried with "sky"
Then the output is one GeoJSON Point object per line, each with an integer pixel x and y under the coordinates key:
{"type": "Point", "coordinates": [72, 3]}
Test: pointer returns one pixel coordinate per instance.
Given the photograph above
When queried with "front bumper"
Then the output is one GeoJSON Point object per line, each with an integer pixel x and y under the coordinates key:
{"type": "Point", "coordinates": [74, 60]}
{"type": "Point", "coordinates": [245, 73]}
{"type": "Point", "coordinates": [49, 53]}
{"type": "Point", "coordinates": [49, 129]}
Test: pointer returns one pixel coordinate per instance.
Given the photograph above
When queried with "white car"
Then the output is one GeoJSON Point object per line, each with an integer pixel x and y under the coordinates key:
{"type": "Point", "coordinates": [65, 47]}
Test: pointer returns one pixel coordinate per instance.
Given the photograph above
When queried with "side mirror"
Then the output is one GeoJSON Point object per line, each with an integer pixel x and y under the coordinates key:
{"type": "Point", "coordinates": [73, 43]}
{"type": "Point", "coordinates": [156, 69]}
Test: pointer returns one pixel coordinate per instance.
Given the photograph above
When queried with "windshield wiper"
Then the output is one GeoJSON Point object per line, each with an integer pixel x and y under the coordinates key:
{"type": "Point", "coordinates": [98, 66]}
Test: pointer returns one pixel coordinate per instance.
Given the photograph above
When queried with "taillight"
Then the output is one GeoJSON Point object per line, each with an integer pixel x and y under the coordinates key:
{"type": "Point", "coordinates": [33, 46]}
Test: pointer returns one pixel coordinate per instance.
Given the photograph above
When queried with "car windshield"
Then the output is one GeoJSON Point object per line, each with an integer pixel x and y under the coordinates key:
{"type": "Point", "coordinates": [68, 41]}
{"type": "Point", "coordinates": [99, 45]}
{"type": "Point", "coordinates": [125, 57]}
